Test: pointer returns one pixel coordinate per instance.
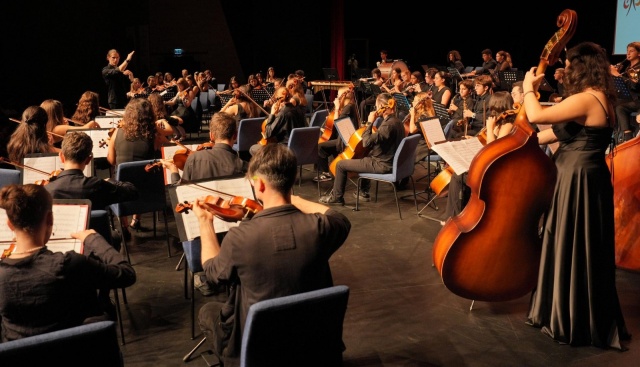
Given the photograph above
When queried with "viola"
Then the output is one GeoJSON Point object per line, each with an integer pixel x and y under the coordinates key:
{"type": "Point", "coordinates": [205, 146]}
{"type": "Point", "coordinates": [272, 139]}
{"type": "Point", "coordinates": [230, 209]}
{"type": "Point", "coordinates": [181, 155]}
{"type": "Point", "coordinates": [491, 250]}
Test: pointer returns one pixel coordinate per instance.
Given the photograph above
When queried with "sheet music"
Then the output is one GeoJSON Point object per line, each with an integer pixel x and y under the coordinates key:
{"type": "Point", "coordinates": [459, 154]}
{"type": "Point", "coordinates": [190, 192]}
{"type": "Point", "coordinates": [432, 131]}
{"type": "Point", "coordinates": [108, 122]}
{"type": "Point", "coordinates": [167, 153]}
{"type": "Point", "coordinates": [100, 138]}
{"type": "Point", "coordinates": [67, 219]}
{"type": "Point", "coordinates": [345, 128]}
{"type": "Point", "coordinates": [48, 163]}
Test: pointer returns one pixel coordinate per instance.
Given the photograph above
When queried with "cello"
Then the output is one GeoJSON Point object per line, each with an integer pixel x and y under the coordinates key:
{"type": "Point", "coordinates": [511, 182]}
{"type": "Point", "coordinates": [355, 148]}
{"type": "Point", "coordinates": [623, 164]}
{"type": "Point", "coordinates": [328, 124]}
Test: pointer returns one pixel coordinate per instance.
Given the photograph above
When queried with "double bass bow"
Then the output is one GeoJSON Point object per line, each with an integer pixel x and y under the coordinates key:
{"type": "Point", "coordinates": [491, 250]}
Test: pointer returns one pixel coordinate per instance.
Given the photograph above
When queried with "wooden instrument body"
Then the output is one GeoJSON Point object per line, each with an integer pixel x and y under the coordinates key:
{"type": "Point", "coordinates": [491, 250]}
{"type": "Point", "coordinates": [440, 184]}
{"type": "Point", "coordinates": [497, 246]}
{"type": "Point", "coordinates": [625, 173]}
{"type": "Point", "coordinates": [354, 149]}
{"type": "Point", "coordinates": [265, 140]}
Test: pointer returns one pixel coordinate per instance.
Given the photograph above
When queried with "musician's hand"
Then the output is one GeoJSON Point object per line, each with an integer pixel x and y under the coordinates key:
{"type": "Point", "coordinates": [130, 55]}
{"type": "Point", "coordinates": [491, 123]}
{"type": "Point", "coordinates": [168, 164]}
{"type": "Point", "coordinates": [531, 80]}
{"type": "Point", "coordinates": [201, 213]}
{"type": "Point", "coordinates": [83, 234]}
{"type": "Point", "coordinates": [467, 114]}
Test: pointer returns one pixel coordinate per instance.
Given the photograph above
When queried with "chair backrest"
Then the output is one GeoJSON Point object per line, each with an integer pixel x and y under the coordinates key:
{"type": "Point", "coordinates": [404, 159]}
{"type": "Point", "coordinates": [192, 253]}
{"type": "Point", "coordinates": [94, 344]}
{"type": "Point", "coordinates": [249, 133]}
{"type": "Point", "coordinates": [304, 143]}
{"type": "Point", "coordinates": [9, 176]}
{"type": "Point", "coordinates": [150, 186]}
{"type": "Point", "coordinates": [299, 330]}
{"type": "Point", "coordinates": [318, 118]}
{"type": "Point", "coordinates": [204, 101]}
{"type": "Point", "coordinates": [309, 98]}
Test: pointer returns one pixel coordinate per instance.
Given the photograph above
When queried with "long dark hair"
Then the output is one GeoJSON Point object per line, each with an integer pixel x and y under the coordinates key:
{"type": "Point", "coordinates": [30, 136]}
{"type": "Point", "coordinates": [588, 67]}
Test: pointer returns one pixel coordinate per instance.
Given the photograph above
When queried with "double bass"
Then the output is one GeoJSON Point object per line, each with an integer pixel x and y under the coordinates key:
{"type": "Point", "coordinates": [623, 164]}
{"type": "Point", "coordinates": [491, 250]}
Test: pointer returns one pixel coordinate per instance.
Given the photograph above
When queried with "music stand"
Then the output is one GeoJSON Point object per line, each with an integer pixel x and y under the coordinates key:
{"type": "Point", "coordinates": [401, 101]}
{"type": "Point", "coordinates": [363, 73]}
{"type": "Point", "coordinates": [224, 98]}
{"type": "Point", "coordinates": [622, 89]}
{"type": "Point", "coordinates": [544, 86]}
{"type": "Point", "coordinates": [259, 95]}
{"type": "Point", "coordinates": [455, 76]}
{"type": "Point", "coordinates": [507, 78]}
{"type": "Point", "coordinates": [330, 74]}
{"type": "Point", "coordinates": [442, 113]}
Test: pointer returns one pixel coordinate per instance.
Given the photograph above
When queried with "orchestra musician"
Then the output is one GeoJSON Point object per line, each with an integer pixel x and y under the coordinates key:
{"type": "Point", "coordinates": [240, 107]}
{"type": "Point", "coordinates": [343, 106]}
{"type": "Point", "coordinates": [133, 140]}
{"type": "Point", "coordinates": [136, 88]}
{"type": "Point", "coordinates": [377, 80]}
{"type": "Point", "coordinates": [476, 115]}
{"type": "Point", "coordinates": [283, 118]}
{"type": "Point", "coordinates": [382, 145]}
{"type": "Point", "coordinates": [499, 102]}
{"type": "Point", "coordinates": [283, 249]}
{"type": "Point", "coordinates": [629, 70]}
{"type": "Point", "coordinates": [421, 109]}
{"type": "Point", "coordinates": [30, 136]}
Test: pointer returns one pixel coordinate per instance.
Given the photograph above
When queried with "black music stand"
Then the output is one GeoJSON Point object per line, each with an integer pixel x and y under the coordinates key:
{"type": "Point", "coordinates": [544, 86]}
{"type": "Point", "coordinates": [224, 98]}
{"type": "Point", "coordinates": [441, 113]}
{"type": "Point", "coordinates": [330, 74]}
{"type": "Point", "coordinates": [402, 102]}
{"type": "Point", "coordinates": [621, 88]}
{"type": "Point", "coordinates": [507, 78]}
{"type": "Point", "coordinates": [363, 73]}
{"type": "Point", "coordinates": [455, 76]}
{"type": "Point", "coordinates": [259, 95]}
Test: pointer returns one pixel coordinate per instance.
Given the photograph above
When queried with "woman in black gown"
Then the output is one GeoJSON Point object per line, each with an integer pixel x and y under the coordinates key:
{"type": "Point", "coordinates": [576, 300]}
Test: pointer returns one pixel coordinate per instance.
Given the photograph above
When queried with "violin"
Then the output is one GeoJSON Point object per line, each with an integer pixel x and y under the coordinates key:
{"type": "Point", "coordinates": [152, 166]}
{"type": "Point", "coordinates": [181, 155]}
{"type": "Point", "coordinates": [205, 146]}
{"type": "Point", "coordinates": [272, 139]}
{"type": "Point", "coordinates": [52, 176]}
{"type": "Point", "coordinates": [230, 209]}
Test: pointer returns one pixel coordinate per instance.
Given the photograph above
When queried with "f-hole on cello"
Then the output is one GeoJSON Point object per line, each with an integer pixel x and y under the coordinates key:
{"type": "Point", "coordinates": [491, 250]}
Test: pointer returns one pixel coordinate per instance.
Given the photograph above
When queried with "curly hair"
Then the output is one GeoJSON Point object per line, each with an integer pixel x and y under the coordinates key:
{"type": "Point", "coordinates": [88, 108]}
{"type": "Point", "coordinates": [138, 121]}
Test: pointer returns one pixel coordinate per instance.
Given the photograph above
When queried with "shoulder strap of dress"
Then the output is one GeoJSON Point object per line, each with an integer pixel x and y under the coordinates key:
{"type": "Point", "coordinates": [601, 105]}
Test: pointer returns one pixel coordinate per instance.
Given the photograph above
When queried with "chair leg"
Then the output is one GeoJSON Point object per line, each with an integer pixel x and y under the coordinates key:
{"type": "Point", "coordinates": [180, 261]}
{"type": "Point", "coordinates": [166, 231]}
{"type": "Point", "coordinates": [123, 241]}
{"type": "Point", "coordinates": [193, 306]}
{"type": "Point", "coordinates": [119, 314]}
{"type": "Point", "coordinates": [395, 194]}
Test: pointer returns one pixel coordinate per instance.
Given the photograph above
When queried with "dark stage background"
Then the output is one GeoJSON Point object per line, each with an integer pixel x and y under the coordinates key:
{"type": "Point", "coordinates": [57, 49]}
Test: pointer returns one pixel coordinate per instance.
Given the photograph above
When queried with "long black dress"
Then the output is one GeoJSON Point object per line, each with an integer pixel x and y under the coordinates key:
{"type": "Point", "coordinates": [576, 301]}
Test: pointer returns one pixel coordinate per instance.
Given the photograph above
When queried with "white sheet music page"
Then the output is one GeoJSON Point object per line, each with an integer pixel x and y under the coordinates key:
{"type": "Point", "coordinates": [100, 138]}
{"type": "Point", "coordinates": [189, 192]}
{"type": "Point", "coordinates": [67, 219]}
{"type": "Point", "coordinates": [432, 131]}
{"type": "Point", "coordinates": [459, 154]}
{"type": "Point", "coordinates": [345, 128]}
{"type": "Point", "coordinates": [167, 153]}
{"type": "Point", "coordinates": [108, 122]}
{"type": "Point", "coordinates": [45, 166]}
